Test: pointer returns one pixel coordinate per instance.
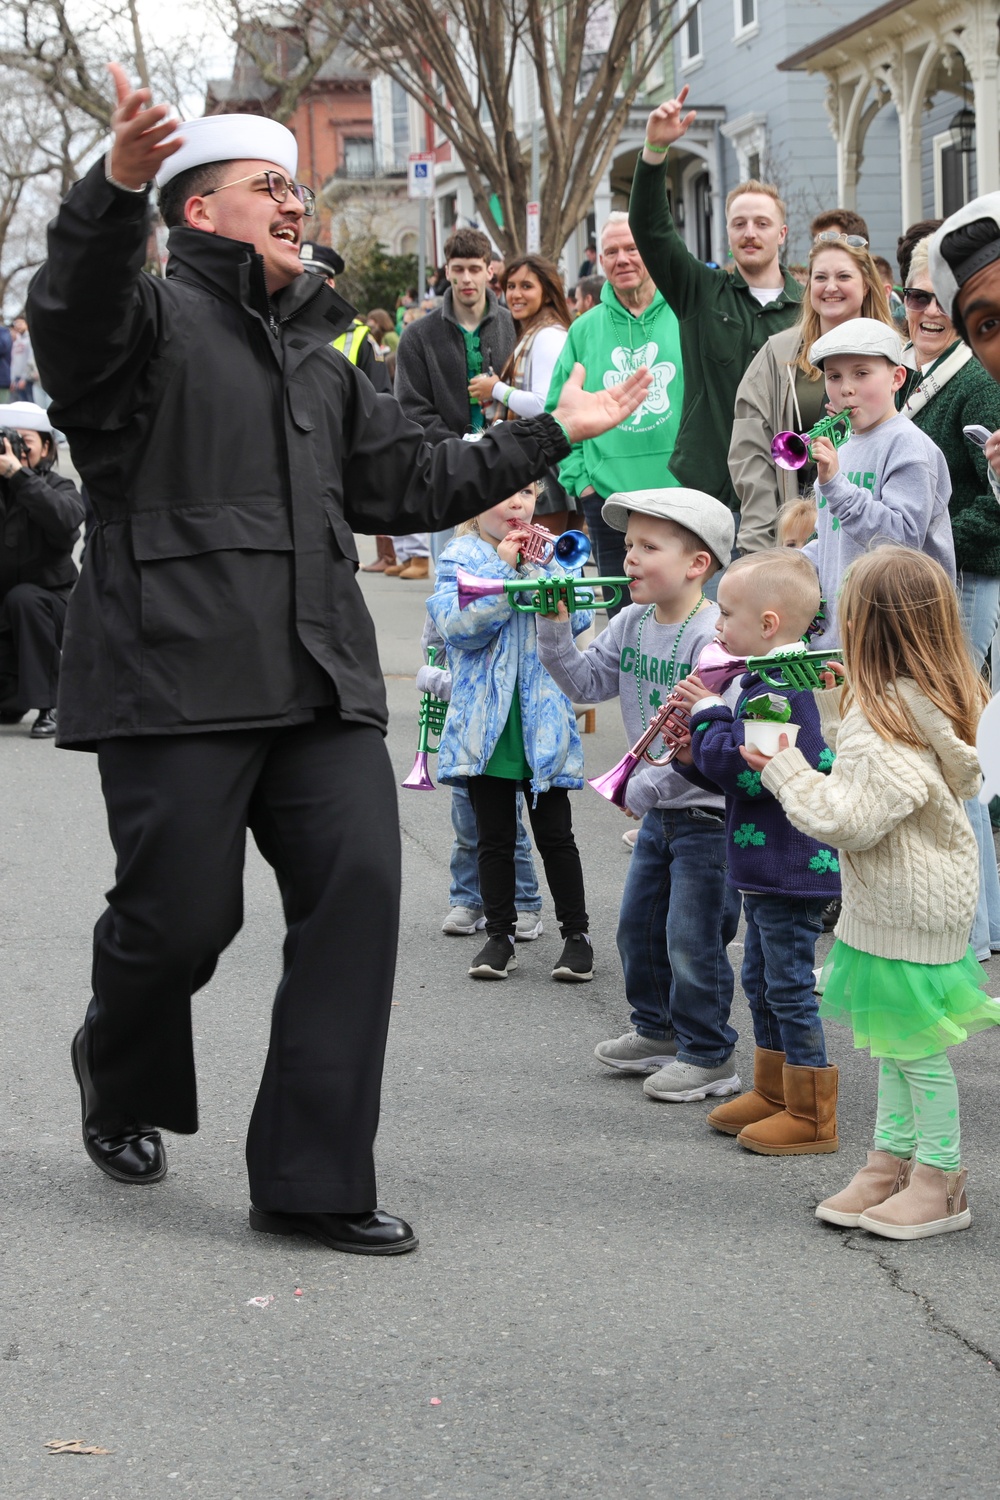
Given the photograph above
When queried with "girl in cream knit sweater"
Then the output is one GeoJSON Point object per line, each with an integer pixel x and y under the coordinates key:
{"type": "Point", "coordinates": [901, 972]}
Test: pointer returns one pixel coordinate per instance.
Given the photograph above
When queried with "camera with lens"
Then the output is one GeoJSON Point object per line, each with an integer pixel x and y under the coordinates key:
{"type": "Point", "coordinates": [17, 444]}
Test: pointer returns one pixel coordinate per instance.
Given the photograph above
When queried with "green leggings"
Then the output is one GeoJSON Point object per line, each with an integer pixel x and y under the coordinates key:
{"type": "Point", "coordinates": [918, 1111]}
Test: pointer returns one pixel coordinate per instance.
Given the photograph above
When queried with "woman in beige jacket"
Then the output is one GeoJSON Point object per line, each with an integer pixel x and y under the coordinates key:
{"type": "Point", "coordinates": [782, 391]}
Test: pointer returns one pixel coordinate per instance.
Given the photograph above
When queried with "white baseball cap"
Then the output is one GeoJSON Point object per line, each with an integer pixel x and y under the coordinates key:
{"type": "Point", "coordinates": [230, 138]}
{"type": "Point", "coordinates": [710, 520]}
{"type": "Point", "coordinates": [954, 261]}
{"type": "Point", "coordinates": [866, 336]}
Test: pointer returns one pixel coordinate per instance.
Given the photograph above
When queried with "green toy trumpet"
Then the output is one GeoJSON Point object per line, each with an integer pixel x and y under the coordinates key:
{"type": "Point", "coordinates": [430, 721]}
{"type": "Point", "coordinates": [542, 596]}
{"type": "Point", "coordinates": [793, 450]}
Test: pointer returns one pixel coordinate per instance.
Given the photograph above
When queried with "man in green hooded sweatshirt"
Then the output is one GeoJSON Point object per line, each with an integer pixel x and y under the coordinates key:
{"type": "Point", "coordinates": [632, 325]}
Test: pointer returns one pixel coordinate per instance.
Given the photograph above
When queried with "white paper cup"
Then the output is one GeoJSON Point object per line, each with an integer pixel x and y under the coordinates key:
{"type": "Point", "coordinates": [763, 735]}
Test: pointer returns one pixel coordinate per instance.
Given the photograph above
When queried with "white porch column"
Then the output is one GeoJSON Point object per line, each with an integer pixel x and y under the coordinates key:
{"type": "Point", "coordinates": [602, 201]}
{"type": "Point", "coordinates": [984, 72]}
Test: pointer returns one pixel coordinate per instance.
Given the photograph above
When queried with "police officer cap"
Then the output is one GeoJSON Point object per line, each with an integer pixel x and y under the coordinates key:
{"type": "Point", "coordinates": [230, 138]}
{"type": "Point", "coordinates": [313, 254]}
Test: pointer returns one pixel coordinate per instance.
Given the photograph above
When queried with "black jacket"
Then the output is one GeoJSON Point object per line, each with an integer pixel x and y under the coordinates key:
{"type": "Point", "coordinates": [40, 518]}
{"type": "Point", "coordinates": [229, 454]}
{"type": "Point", "coordinates": [432, 382]}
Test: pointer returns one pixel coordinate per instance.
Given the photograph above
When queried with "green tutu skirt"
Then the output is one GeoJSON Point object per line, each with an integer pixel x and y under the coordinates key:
{"type": "Point", "coordinates": [903, 1010]}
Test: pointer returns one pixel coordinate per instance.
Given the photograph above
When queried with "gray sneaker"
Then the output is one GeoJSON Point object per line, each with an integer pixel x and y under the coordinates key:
{"type": "Point", "coordinates": [529, 926]}
{"type": "Point", "coordinates": [633, 1053]}
{"type": "Point", "coordinates": [682, 1082]}
{"type": "Point", "coordinates": [463, 921]}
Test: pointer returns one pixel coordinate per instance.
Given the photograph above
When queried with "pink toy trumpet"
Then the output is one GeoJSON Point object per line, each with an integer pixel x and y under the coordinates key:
{"type": "Point", "coordinates": [571, 549]}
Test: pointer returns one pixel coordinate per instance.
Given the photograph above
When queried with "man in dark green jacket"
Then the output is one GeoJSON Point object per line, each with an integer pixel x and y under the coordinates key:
{"type": "Point", "coordinates": [725, 316]}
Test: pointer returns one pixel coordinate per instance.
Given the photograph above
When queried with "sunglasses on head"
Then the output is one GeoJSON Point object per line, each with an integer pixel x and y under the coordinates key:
{"type": "Point", "coordinates": [918, 300]}
{"type": "Point", "coordinates": [856, 241]}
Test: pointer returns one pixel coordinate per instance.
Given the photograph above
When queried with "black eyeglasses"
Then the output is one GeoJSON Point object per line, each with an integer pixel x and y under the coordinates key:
{"type": "Point", "coordinates": [279, 188]}
{"type": "Point", "coordinates": [831, 236]}
{"type": "Point", "coordinates": [918, 300]}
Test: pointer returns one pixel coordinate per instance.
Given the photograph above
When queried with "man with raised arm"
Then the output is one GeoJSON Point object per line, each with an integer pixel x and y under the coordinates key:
{"type": "Point", "coordinates": [218, 655]}
{"type": "Point", "coordinates": [725, 316]}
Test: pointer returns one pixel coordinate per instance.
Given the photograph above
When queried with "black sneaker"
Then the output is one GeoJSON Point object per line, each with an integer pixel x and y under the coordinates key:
{"type": "Point", "coordinates": [831, 914]}
{"type": "Point", "coordinates": [576, 962]}
{"type": "Point", "coordinates": [496, 960]}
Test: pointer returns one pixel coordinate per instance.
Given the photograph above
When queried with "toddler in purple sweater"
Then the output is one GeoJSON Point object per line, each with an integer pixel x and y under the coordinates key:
{"type": "Point", "coordinates": [769, 599]}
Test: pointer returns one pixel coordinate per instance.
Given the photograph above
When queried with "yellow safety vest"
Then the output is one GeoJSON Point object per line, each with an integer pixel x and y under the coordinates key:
{"type": "Point", "coordinates": [350, 341]}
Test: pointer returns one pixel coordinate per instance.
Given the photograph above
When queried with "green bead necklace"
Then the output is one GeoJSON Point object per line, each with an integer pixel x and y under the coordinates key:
{"type": "Point", "coordinates": [671, 664]}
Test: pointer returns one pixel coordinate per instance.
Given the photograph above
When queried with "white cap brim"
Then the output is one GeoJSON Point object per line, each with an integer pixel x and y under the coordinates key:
{"type": "Point", "coordinates": [26, 415]}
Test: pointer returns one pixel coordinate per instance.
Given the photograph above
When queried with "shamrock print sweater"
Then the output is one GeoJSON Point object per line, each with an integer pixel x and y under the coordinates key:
{"type": "Point", "coordinates": [766, 854]}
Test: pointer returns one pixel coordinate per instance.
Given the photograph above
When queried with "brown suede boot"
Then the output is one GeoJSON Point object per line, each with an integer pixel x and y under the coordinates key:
{"type": "Point", "coordinates": [933, 1202]}
{"type": "Point", "coordinates": [807, 1126]}
{"type": "Point", "coordinates": [417, 567]}
{"type": "Point", "coordinates": [764, 1099]}
{"type": "Point", "coordinates": [876, 1183]}
{"type": "Point", "coordinates": [385, 555]}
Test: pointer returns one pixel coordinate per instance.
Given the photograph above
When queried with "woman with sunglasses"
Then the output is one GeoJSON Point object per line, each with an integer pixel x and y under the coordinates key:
{"type": "Point", "coordinates": [782, 391]}
{"type": "Point", "coordinates": [950, 390]}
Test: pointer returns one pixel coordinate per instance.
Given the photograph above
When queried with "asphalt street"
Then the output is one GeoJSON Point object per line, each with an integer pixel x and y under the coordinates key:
{"type": "Point", "coordinates": [608, 1300]}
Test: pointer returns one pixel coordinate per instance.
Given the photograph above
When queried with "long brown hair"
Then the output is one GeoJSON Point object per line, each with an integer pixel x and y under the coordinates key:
{"type": "Point", "coordinates": [899, 617]}
{"type": "Point", "coordinates": [553, 295]}
{"type": "Point", "coordinates": [875, 304]}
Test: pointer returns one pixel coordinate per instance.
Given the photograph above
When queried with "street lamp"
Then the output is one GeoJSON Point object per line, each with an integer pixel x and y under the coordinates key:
{"type": "Point", "coordinates": [963, 130]}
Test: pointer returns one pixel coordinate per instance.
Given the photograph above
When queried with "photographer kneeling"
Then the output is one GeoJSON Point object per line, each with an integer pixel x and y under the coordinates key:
{"type": "Point", "coordinates": [41, 513]}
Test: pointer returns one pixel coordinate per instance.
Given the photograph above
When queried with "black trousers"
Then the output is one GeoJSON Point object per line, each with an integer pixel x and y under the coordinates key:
{"type": "Point", "coordinates": [320, 801]}
{"type": "Point", "coordinates": [31, 632]}
{"type": "Point", "coordinates": [494, 802]}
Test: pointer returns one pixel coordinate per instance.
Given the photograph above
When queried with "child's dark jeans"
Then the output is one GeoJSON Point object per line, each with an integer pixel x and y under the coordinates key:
{"type": "Point", "coordinates": [778, 958]}
{"type": "Point", "coordinates": [677, 917]}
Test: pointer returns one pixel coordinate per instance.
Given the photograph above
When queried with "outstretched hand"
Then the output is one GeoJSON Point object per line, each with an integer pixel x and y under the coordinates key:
{"type": "Point", "coordinates": [667, 123]}
{"type": "Point", "coordinates": [141, 133]}
{"type": "Point", "coordinates": [586, 414]}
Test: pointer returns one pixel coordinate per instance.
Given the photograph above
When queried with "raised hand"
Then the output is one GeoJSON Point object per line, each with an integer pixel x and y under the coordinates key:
{"type": "Point", "coordinates": [141, 132]}
{"type": "Point", "coordinates": [586, 414]}
{"type": "Point", "coordinates": [667, 123]}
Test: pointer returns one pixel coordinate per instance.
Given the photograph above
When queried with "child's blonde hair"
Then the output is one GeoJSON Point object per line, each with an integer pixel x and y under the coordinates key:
{"type": "Point", "coordinates": [795, 522]}
{"type": "Point", "coordinates": [899, 617]}
{"type": "Point", "coordinates": [783, 580]}
{"type": "Point", "coordinates": [471, 526]}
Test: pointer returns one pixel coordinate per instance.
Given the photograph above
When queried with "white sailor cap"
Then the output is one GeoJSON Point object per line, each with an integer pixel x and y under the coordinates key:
{"type": "Point", "coordinates": [25, 416]}
{"type": "Point", "coordinates": [231, 138]}
{"type": "Point", "coordinates": [954, 261]}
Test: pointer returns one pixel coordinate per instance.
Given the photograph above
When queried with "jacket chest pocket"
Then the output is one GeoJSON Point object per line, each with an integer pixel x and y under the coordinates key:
{"type": "Point", "coordinates": [719, 333]}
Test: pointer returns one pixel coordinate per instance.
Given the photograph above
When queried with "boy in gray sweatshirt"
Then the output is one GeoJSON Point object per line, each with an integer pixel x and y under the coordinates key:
{"type": "Point", "coordinates": [889, 482]}
{"type": "Point", "coordinates": [677, 915]}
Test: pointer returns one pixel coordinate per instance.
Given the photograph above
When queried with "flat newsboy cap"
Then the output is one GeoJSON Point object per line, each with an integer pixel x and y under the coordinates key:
{"type": "Point", "coordinates": [710, 520]}
{"type": "Point", "coordinates": [865, 336]}
{"type": "Point", "coordinates": [230, 138]}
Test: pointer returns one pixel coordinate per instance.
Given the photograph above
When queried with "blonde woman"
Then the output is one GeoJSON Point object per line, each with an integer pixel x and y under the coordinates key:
{"type": "Point", "coordinates": [782, 391]}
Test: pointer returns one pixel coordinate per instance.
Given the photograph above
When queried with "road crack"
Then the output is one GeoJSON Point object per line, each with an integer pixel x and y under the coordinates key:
{"type": "Point", "coordinates": [933, 1318]}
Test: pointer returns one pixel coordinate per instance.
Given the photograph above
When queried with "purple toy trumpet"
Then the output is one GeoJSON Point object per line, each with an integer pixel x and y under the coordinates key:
{"type": "Point", "coordinates": [793, 450]}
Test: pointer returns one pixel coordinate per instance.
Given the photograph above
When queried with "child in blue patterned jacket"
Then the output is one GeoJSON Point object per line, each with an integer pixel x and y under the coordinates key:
{"type": "Point", "coordinates": [508, 726]}
{"type": "Point", "coordinates": [767, 600]}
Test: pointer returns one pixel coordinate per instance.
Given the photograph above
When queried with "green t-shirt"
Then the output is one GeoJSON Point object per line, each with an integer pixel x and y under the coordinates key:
{"type": "Point", "coordinates": [508, 759]}
{"type": "Point", "coordinates": [473, 366]}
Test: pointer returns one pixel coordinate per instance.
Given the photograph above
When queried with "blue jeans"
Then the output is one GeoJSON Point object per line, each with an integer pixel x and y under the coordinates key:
{"type": "Point", "coordinates": [608, 545]}
{"type": "Point", "coordinates": [979, 600]}
{"type": "Point", "coordinates": [677, 917]}
{"type": "Point", "coordinates": [438, 541]}
{"type": "Point", "coordinates": [465, 863]}
{"type": "Point", "coordinates": [778, 957]}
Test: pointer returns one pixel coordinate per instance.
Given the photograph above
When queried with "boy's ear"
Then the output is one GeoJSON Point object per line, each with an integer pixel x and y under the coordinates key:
{"type": "Point", "coordinates": [769, 623]}
{"type": "Point", "coordinates": [899, 375]}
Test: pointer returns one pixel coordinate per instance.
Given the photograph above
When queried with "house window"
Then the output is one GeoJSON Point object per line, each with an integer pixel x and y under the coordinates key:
{"type": "Point", "coordinates": [691, 37]}
{"type": "Point", "coordinates": [744, 16]}
{"type": "Point", "coordinates": [359, 156]}
{"type": "Point", "coordinates": [400, 125]}
{"type": "Point", "coordinates": [952, 177]}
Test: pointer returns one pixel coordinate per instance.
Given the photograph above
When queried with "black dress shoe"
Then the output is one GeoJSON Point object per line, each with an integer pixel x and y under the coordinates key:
{"type": "Point", "coordinates": [374, 1233]}
{"type": "Point", "coordinates": [126, 1150]}
{"type": "Point", "coordinates": [11, 715]}
{"type": "Point", "coordinates": [44, 726]}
